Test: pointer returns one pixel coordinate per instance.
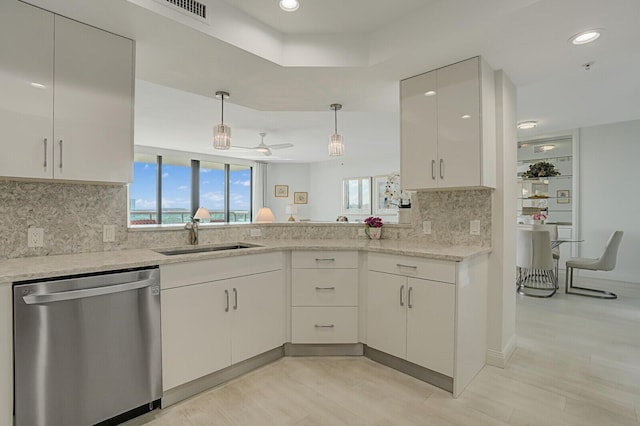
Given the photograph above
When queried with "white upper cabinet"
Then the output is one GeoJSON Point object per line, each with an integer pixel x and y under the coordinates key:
{"type": "Point", "coordinates": [85, 131]}
{"type": "Point", "coordinates": [26, 91]}
{"type": "Point", "coordinates": [448, 127]}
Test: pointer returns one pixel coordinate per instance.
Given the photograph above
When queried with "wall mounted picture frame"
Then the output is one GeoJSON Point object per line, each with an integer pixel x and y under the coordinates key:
{"type": "Point", "coordinates": [282, 191]}
{"type": "Point", "coordinates": [300, 197]}
{"type": "Point", "coordinates": [563, 196]}
{"type": "Point", "coordinates": [382, 187]}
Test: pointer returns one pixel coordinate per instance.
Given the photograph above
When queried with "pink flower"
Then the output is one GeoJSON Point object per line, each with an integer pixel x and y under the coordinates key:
{"type": "Point", "coordinates": [373, 222]}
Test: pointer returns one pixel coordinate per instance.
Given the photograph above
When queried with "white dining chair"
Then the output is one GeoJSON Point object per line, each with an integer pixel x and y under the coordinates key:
{"type": "Point", "coordinates": [606, 262]}
{"type": "Point", "coordinates": [553, 234]}
{"type": "Point", "coordinates": [536, 271]}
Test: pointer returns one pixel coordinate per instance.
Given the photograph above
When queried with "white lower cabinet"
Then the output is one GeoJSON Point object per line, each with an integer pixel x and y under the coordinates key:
{"type": "Point", "coordinates": [207, 326]}
{"type": "Point", "coordinates": [324, 295]}
{"type": "Point", "coordinates": [412, 319]}
{"type": "Point", "coordinates": [432, 313]}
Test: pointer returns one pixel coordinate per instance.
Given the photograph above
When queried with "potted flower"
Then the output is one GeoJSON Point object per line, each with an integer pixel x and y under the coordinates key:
{"type": "Point", "coordinates": [541, 169]}
{"type": "Point", "coordinates": [373, 227]}
{"type": "Point", "coordinates": [539, 217]}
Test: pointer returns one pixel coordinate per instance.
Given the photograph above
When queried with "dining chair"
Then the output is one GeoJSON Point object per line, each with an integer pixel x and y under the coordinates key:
{"type": "Point", "coordinates": [536, 271]}
{"type": "Point", "coordinates": [606, 262]}
{"type": "Point", "coordinates": [553, 234]}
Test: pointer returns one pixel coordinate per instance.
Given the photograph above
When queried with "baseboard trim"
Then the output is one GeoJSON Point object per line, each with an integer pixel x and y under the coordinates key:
{"type": "Point", "coordinates": [413, 370]}
{"type": "Point", "coordinates": [501, 358]}
{"type": "Point", "coordinates": [202, 384]}
{"type": "Point", "coordinates": [347, 349]}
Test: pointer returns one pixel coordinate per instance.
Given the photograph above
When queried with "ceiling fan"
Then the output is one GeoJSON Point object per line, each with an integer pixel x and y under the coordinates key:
{"type": "Point", "coordinates": [264, 148]}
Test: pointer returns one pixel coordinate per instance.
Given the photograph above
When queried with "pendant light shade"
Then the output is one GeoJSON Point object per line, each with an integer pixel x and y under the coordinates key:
{"type": "Point", "coordinates": [222, 132]}
{"type": "Point", "coordinates": [336, 144]}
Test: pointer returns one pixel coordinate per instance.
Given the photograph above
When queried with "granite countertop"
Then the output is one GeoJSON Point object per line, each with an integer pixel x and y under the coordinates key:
{"type": "Point", "coordinates": [28, 268]}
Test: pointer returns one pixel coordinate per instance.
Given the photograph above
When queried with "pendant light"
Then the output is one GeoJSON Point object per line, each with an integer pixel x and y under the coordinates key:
{"type": "Point", "coordinates": [336, 144]}
{"type": "Point", "coordinates": [222, 133]}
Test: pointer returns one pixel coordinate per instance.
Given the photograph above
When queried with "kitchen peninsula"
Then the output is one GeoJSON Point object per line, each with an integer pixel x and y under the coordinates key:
{"type": "Point", "coordinates": [465, 269]}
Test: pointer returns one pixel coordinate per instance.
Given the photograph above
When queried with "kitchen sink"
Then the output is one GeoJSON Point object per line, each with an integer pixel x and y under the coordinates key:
{"type": "Point", "coordinates": [196, 249]}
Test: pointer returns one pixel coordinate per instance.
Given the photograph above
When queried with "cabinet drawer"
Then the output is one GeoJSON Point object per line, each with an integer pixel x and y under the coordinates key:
{"type": "Point", "coordinates": [324, 325]}
{"type": "Point", "coordinates": [324, 287]}
{"type": "Point", "coordinates": [431, 269]}
{"type": "Point", "coordinates": [180, 274]}
{"type": "Point", "coordinates": [324, 259]}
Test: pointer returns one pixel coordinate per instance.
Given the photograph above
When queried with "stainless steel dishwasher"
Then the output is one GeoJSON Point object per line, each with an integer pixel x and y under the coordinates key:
{"type": "Point", "coordinates": [87, 348]}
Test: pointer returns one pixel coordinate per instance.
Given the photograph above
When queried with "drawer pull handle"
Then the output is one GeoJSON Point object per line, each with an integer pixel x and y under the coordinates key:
{"type": "Point", "coordinates": [325, 259]}
{"type": "Point", "coordinates": [324, 326]}
{"type": "Point", "coordinates": [400, 265]}
{"type": "Point", "coordinates": [325, 288]}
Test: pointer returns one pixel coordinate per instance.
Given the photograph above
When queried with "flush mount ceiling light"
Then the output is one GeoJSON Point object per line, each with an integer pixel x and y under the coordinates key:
{"type": "Point", "coordinates": [430, 93]}
{"type": "Point", "coordinates": [222, 133]}
{"type": "Point", "coordinates": [464, 117]}
{"type": "Point", "coordinates": [526, 125]}
{"type": "Point", "coordinates": [336, 144]}
{"type": "Point", "coordinates": [289, 5]}
{"type": "Point", "coordinates": [543, 148]}
{"type": "Point", "coordinates": [585, 37]}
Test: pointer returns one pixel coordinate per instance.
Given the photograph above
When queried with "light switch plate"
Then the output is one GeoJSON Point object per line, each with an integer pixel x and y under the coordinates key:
{"type": "Point", "coordinates": [474, 227]}
{"type": "Point", "coordinates": [108, 233]}
{"type": "Point", "coordinates": [35, 237]}
{"type": "Point", "coordinates": [426, 227]}
{"type": "Point", "coordinates": [255, 232]}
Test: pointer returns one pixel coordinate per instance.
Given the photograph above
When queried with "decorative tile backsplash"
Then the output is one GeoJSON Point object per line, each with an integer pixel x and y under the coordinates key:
{"type": "Point", "coordinates": [72, 216]}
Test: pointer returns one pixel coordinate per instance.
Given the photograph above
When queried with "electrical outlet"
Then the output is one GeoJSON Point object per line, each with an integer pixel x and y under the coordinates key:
{"type": "Point", "coordinates": [256, 232]}
{"type": "Point", "coordinates": [474, 227]}
{"type": "Point", "coordinates": [426, 227]}
{"type": "Point", "coordinates": [108, 233]}
{"type": "Point", "coordinates": [35, 237]}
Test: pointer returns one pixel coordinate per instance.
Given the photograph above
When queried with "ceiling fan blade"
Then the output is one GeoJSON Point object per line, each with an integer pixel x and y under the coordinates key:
{"type": "Point", "coordinates": [266, 152]}
{"type": "Point", "coordinates": [243, 147]}
{"type": "Point", "coordinates": [281, 146]}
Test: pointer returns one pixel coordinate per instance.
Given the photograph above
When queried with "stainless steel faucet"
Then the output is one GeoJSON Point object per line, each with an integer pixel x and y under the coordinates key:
{"type": "Point", "coordinates": [192, 227]}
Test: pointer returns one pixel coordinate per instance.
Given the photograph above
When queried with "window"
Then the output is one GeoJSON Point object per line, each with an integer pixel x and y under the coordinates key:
{"type": "Point", "coordinates": [168, 189]}
{"type": "Point", "coordinates": [356, 195]}
{"type": "Point", "coordinates": [239, 193]}
{"type": "Point", "coordinates": [143, 202]}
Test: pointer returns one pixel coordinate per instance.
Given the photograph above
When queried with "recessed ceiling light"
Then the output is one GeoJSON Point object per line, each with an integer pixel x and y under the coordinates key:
{"type": "Point", "coordinates": [585, 37]}
{"type": "Point", "coordinates": [430, 93]}
{"type": "Point", "coordinates": [289, 5]}
{"type": "Point", "coordinates": [526, 125]}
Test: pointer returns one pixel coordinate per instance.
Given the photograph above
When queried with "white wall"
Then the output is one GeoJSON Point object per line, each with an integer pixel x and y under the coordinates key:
{"type": "Point", "coordinates": [609, 201]}
{"type": "Point", "coordinates": [326, 182]}
{"type": "Point", "coordinates": [297, 177]}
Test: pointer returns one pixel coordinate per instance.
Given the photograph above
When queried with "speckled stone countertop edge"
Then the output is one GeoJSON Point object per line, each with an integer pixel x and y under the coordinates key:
{"type": "Point", "coordinates": [32, 268]}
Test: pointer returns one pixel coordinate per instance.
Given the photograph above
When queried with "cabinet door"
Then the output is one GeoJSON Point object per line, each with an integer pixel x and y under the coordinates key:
{"type": "Point", "coordinates": [93, 104]}
{"type": "Point", "coordinates": [196, 332]}
{"type": "Point", "coordinates": [430, 324]}
{"type": "Point", "coordinates": [419, 132]}
{"type": "Point", "coordinates": [258, 307]}
{"type": "Point", "coordinates": [26, 90]}
{"type": "Point", "coordinates": [460, 158]}
{"type": "Point", "coordinates": [386, 313]}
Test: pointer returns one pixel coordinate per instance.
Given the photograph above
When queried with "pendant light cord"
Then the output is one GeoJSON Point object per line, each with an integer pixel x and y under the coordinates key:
{"type": "Point", "coordinates": [335, 112]}
{"type": "Point", "coordinates": [222, 112]}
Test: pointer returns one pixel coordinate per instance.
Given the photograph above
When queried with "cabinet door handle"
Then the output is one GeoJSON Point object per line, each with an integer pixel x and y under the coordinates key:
{"type": "Point", "coordinates": [409, 298]}
{"type": "Point", "coordinates": [45, 153]}
{"type": "Point", "coordinates": [226, 294]}
{"type": "Point", "coordinates": [441, 168]}
{"type": "Point", "coordinates": [433, 169]}
{"type": "Point", "coordinates": [401, 265]}
{"type": "Point", "coordinates": [325, 259]}
{"type": "Point", "coordinates": [235, 299]}
{"type": "Point", "coordinates": [324, 326]}
{"type": "Point", "coordinates": [61, 153]}
{"type": "Point", "coordinates": [402, 295]}
{"type": "Point", "coordinates": [325, 288]}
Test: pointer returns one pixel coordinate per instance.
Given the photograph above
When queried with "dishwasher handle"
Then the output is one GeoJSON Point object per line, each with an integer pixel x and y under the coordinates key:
{"type": "Point", "coordinates": [33, 299]}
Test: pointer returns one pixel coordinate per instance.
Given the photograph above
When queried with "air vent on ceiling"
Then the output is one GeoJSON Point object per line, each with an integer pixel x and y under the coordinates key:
{"type": "Point", "coordinates": [191, 7]}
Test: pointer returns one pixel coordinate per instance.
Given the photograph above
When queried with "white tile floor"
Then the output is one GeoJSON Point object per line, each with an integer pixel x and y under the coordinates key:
{"type": "Point", "coordinates": [577, 363]}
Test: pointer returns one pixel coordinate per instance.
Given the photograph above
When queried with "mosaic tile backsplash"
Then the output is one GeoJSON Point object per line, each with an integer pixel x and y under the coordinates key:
{"type": "Point", "coordinates": [72, 216]}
